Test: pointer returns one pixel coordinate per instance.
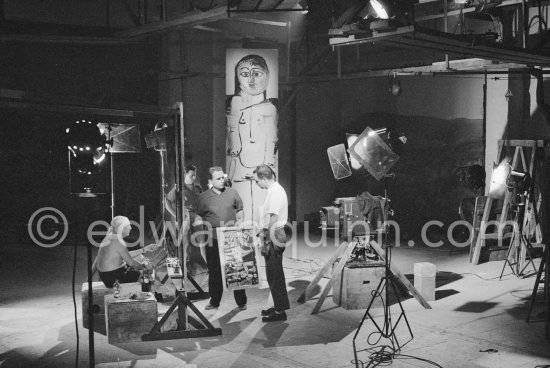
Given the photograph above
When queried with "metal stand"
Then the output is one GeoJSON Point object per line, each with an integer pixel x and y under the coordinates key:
{"type": "Point", "coordinates": [181, 302]}
{"type": "Point", "coordinates": [543, 267]}
{"type": "Point", "coordinates": [520, 246]}
{"type": "Point", "coordinates": [387, 328]}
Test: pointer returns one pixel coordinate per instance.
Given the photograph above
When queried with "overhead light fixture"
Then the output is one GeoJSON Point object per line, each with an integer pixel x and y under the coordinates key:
{"type": "Point", "coordinates": [385, 15]}
{"type": "Point", "coordinates": [304, 5]}
{"type": "Point", "coordinates": [508, 95]}
{"type": "Point", "coordinates": [485, 5]}
{"type": "Point", "coordinates": [379, 9]}
{"type": "Point", "coordinates": [395, 85]}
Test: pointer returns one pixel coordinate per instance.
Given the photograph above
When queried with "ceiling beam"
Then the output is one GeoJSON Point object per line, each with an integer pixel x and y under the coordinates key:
{"type": "Point", "coordinates": [189, 19]}
{"type": "Point", "coordinates": [262, 22]}
{"type": "Point", "coordinates": [483, 67]}
{"type": "Point", "coordinates": [41, 106]}
{"type": "Point", "coordinates": [65, 39]}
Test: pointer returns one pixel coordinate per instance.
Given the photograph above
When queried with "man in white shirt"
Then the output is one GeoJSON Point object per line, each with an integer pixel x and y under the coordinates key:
{"type": "Point", "coordinates": [274, 213]}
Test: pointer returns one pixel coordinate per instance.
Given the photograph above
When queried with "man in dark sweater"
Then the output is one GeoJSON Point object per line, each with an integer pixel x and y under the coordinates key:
{"type": "Point", "coordinates": [219, 206]}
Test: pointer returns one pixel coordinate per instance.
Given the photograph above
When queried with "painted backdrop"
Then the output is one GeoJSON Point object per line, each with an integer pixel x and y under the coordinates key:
{"type": "Point", "coordinates": [251, 118]}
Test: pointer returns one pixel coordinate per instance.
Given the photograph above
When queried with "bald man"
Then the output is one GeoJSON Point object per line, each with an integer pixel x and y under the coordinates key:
{"type": "Point", "coordinates": [114, 261]}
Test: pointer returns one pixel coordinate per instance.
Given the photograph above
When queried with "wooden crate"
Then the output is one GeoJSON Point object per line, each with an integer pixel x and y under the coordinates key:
{"type": "Point", "coordinates": [127, 320]}
{"type": "Point", "coordinates": [98, 294]}
{"type": "Point", "coordinates": [99, 290]}
{"type": "Point", "coordinates": [354, 287]}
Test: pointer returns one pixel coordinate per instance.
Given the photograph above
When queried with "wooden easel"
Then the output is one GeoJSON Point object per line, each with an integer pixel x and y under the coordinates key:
{"type": "Point", "coordinates": [344, 252]}
{"type": "Point", "coordinates": [523, 160]}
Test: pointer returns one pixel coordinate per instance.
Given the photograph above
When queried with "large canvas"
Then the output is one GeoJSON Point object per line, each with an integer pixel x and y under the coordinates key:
{"type": "Point", "coordinates": [239, 258]}
{"type": "Point", "coordinates": [251, 121]}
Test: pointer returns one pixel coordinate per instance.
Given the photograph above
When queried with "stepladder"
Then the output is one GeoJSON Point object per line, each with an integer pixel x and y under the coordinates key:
{"type": "Point", "coordinates": [517, 159]}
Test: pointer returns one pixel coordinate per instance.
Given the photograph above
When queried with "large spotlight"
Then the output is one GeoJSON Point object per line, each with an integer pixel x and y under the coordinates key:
{"type": "Point", "coordinates": [86, 145]}
{"type": "Point", "coordinates": [385, 15]}
{"type": "Point", "coordinates": [379, 9]}
{"type": "Point", "coordinates": [373, 153]}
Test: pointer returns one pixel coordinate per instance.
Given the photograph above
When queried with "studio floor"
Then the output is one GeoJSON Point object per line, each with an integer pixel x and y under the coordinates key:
{"type": "Point", "coordinates": [476, 320]}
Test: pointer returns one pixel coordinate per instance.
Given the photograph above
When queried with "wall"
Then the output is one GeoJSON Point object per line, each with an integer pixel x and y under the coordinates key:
{"type": "Point", "coordinates": [34, 153]}
{"type": "Point", "coordinates": [442, 117]}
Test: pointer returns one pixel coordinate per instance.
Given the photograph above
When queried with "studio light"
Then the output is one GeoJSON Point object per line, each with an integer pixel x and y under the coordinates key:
{"type": "Point", "coordinates": [395, 85]}
{"type": "Point", "coordinates": [86, 145]}
{"type": "Point", "coordinates": [498, 185]}
{"type": "Point", "coordinates": [379, 9]}
{"type": "Point", "coordinates": [351, 138]}
{"type": "Point", "coordinates": [386, 15]}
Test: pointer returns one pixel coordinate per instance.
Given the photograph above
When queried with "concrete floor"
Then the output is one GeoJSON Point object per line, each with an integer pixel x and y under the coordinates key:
{"type": "Point", "coordinates": [474, 312]}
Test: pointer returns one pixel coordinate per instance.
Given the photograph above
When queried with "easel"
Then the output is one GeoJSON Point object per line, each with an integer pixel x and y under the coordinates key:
{"type": "Point", "coordinates": [523, 149]}
{"type": "Point", "coordinates": [181, 302]}
{"type": "Point", "coordinates": [344, 252]}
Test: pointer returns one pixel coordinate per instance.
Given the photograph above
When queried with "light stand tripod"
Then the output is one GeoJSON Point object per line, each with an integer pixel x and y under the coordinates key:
{"type": "Point", "coordinates": [175, 148]}
{"type": "Point", "coordinates": [543, 267]}
{"type": "Point", "coordinates": [386, 329]}
{"type": "Point", "coordinates": [520, 246]}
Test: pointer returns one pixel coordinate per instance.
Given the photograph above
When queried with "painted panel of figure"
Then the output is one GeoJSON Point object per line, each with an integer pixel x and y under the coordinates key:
{"type": "Point", "coordinates": [251, 118]}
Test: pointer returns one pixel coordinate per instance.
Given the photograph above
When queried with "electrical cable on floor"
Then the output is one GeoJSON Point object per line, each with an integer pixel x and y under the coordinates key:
{"type": "Point", "coordinates": [385, 355]}
{"type": "Point", "coordinates": [405, 356]}
{"type": "Point", "coordinates": [518, 291]}
{"type": "Point", "coordinates": [496, 278]}
{"type": "Point", "coordinates": [74, 300]}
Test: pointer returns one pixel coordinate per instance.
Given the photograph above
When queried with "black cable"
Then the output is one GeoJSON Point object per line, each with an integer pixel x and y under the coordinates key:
{"type": "Point", "coordinates": [405, 356]}
{"type": "Point", "coordinates": [483, 278]}
{"type": "Point", "coordinates": [74, 296]}
{"type": "Point", "coordinates": [385, 355]}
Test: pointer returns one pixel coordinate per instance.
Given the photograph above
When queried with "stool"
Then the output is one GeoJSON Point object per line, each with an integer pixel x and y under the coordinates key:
{"type": "Point", "coordinates": [127, 319]}
{"type": "Point", "coordinates": [99, 290]}
{"type": "Point", "coordinates": [424, 279]}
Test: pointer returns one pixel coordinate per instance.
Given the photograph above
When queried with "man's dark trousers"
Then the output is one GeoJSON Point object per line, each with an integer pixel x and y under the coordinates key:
{"type": "Point", "coordinates": [215, 284]}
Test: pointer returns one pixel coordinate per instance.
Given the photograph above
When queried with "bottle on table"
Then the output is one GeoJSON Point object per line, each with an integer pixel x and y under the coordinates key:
{"type": "Point", "coordinates": [116, 289]}
{"type": "Point", "coordinates": [145, 282]}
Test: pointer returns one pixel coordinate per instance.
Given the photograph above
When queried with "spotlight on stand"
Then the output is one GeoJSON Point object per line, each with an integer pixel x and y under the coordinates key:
{"type": "Point", "coordinates": [386, 15]}
{"type": "Point", "coordinates": [373, 153]}
{"type": "Point", "coordinates": [518, 181]}
{"type": "Point", "coordinates": [87, 146]}
{"type": "Point", "coordinates": [498, 186]}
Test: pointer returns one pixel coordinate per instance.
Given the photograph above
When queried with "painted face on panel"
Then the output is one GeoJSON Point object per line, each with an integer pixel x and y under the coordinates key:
{"type": "Point", "coordinates": [253, 79]}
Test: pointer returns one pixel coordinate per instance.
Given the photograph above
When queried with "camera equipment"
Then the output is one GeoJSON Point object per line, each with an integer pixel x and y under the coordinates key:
{"type": "Point", "coordinates": [354, 216]}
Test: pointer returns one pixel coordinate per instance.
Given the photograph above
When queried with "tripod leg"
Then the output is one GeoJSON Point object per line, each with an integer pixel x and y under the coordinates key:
{"type": "Point", "coordinates": [542, 267]}
{"type": "Point", "coordinates": [546, 296]}
{"type": "Point", "coordinates": [507, 258]}
{"type": "Point", "coordinates": [527, 245]}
